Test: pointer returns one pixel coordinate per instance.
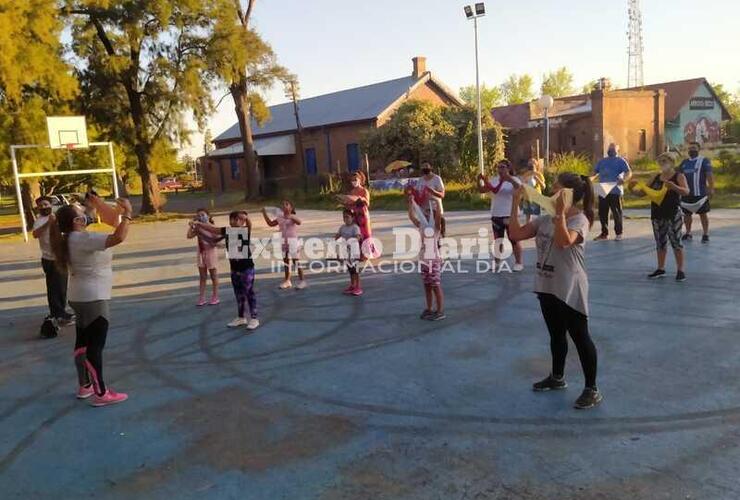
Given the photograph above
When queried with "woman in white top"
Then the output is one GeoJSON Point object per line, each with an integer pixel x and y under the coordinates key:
{"type": "Point", "coordinates": [87, 257]}
{"type": "Point", "coordinates": [502, 187]}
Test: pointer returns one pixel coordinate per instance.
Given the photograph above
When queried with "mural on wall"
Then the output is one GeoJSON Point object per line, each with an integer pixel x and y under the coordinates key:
{"type": "Point", "coordinates": [702, 130]}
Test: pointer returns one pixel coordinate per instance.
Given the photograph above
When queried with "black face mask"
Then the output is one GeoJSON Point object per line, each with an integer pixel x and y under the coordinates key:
{"type": "Point", "coordinates": [426, 171]}
{"type": "Point", "coordinates": [693, 153]}
{"type": "Point", "coordinates": [45, 211]}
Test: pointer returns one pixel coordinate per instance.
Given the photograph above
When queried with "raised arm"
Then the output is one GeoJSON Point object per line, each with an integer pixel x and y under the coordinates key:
{"type": "Point", "coordinates": [564, 237]}
{"type": "Point", "coordinates": [518, 232]}
{"type": "Point", "coordinates": [121, 232]}
{"type": "Point", "coordinates": [270, 222]}
{"type": "Point", "coordinates": [43, 227]}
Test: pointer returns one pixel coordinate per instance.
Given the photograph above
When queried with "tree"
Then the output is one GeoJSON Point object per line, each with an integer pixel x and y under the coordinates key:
{"type": "Point", "coordinates": [490, 97]}
{"type": "Point", "coordinates": [143, 66]}
{"type": "Point", "coordinates": [247, 65]}
{"type": "Point", "coordinates": [447, 137]}
{"type": "Point", "coordinates": [418, 131]}
{"type": "Point", "coordinates": [517, 89]}
{"type": "Point", "coordinates": [600, 83]}
{"type": "Point", "coordinates": [35, 82]}
{"type": "Point", "coordinates": [207, 142]}
{"type": "Point", "coordinates": [731, 128]}
{"type": "Point", "coordinates": [558, 83]}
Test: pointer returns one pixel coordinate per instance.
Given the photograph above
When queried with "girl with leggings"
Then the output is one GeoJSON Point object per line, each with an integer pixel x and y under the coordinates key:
{"type": "Point", "coordinates": [87, 257]}
{"type": "Point", "coordinates": [561, 282]}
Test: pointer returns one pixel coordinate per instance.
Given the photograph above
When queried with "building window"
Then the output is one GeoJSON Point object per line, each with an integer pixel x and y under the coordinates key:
{"type": "Point", "coordinates": [311, 168]}
{"type": "Point", "coordinates": [643, 140]}
{"type": "Point", "coordinates": [572, 140]}
{"type": "Point", "coordinates": [234, 169]}
{"type": "Point", "coordinates": [353, 157]}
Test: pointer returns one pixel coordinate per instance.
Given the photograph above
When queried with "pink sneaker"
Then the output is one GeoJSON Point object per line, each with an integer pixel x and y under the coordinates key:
{"type": "Point", "coordinates": [214, 301]}
{"type": "Point", "coordinates": [201, 302]}
{"type": "Point", "coordinates": [357, 292]}
{"type": "Point", "coordinates": [85, 392]}
{"type": "Point", "coordinates": [109, 398]}
{"type": "Point", "coordinates": [349, 290]}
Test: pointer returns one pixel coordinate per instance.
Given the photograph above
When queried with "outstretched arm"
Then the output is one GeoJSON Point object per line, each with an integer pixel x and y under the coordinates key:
{"type": "Point", "coordinates": [517, 232]}
{"type": "Point", "coordinates": [270, 222]}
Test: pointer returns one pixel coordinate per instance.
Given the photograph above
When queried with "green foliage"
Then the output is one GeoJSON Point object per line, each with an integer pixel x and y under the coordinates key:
{"type": "Point", "coordinates": [490, 97]}
{"type": "Point", "coordinates": [730, 128]}
{"type": "Point", "coordinates": [645, 164]}
{"type": "Point", "coordinates": [728, 163]}
{"type": "Point", "coordinates": [143, 66]}
{"type": "Point", "coordinates": [570, 162]}
{"type": "Point", "coordinates": [558, 83]}
{"type": "Point", "coordinates": [518, 89]}
{"type": "Point", "coordinates": [444, 136]}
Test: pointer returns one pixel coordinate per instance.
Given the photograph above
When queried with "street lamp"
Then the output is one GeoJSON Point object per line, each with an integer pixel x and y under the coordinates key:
{"type": "Point", "coordinates": [546, 102]}
{"type": "Point", "coordinates": [474, 13]}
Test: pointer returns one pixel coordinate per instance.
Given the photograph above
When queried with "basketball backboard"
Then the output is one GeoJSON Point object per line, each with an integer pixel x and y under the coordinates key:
{"type": "Point", "coordinates": [67, 132]}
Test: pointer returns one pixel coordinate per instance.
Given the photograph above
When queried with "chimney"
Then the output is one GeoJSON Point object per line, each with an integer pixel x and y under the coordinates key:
{"type": "Point", "coordinates": [420, 66]}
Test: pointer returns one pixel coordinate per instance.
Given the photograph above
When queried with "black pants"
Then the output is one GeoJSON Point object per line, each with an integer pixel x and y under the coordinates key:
{"type": "Point", "coordinates": [56, 289]}
{"type": "Point", "coordinates": [612, 202]}
{"type": "Point", "coordinates": [561, 320]}
{"type": "Point", "coordinates": [89, 345]}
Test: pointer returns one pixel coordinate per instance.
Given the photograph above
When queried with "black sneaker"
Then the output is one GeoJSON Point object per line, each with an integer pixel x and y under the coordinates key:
{"type": "Point", "coordinates": [549, 384]}
{"type": "Point", "coordinates": [658, 273]}
{"type": "Point", "coordinates": [437, 316]}
{"type": "Point", "coordinates": [687, 237]}
{"type": "Point", "coordinates": [425, 314]}
{"type": "Point", "coordinates": [589, 398]}
{"type": "Point", "coordinates": [680, 276]}
{"type": "Point", "coordinates": [705, 238]}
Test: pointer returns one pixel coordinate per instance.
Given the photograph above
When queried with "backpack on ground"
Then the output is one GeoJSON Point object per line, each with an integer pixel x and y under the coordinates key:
{"type": "Point", "coordinates": [49, 328]}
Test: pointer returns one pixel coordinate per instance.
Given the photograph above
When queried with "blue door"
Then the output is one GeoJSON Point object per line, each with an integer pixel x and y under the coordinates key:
{"type": "Point", "coordinates": [234, 169]}
{"type": "Point", "coordinates": [353, 157]}
{"type": "Point", "coordinates": [311, 167]}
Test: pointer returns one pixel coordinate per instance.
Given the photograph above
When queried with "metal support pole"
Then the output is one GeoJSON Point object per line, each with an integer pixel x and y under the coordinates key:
{"type": "Point", "coordinates": [113, 168]}
{"type": "Point", "coordinates": [477, 86]}
{"type": "Point", "coordinates": [547, 138]}
{"type": "Point", "coordinates": [18, 193]}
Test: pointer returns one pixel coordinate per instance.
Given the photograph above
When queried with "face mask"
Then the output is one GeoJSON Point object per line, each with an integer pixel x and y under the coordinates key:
{"type": "Point", "coordinates": [612, 153]}
{"type": "Point", "coordinates": [83, 219]}
{"type": "Point", "coordinates": [693, 153]}
{"type": "Point", "coordinates": [426, 171]}
{"type": "Point", "coordinates": [45, 211]}
{"type": "Point", "coordinates": [355, 184]}
{"type": "Point", "coordinates": [666, 167]}
{"type": "Point", "coordinates": [203, 218]}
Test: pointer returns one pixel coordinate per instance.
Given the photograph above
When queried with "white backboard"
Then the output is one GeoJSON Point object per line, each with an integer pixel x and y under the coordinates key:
{"type": "Point", "coordinates": [67, 132]}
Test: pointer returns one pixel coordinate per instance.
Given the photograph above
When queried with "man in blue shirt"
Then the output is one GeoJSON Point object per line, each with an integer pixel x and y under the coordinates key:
{"type": "Point", "coordinates": [698, 172]}
{"type": "Point", "coordinates": [611, 169]}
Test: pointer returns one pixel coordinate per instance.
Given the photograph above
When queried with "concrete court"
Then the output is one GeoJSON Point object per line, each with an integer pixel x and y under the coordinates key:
{"type": "Point", "coordinates": [355, 398]}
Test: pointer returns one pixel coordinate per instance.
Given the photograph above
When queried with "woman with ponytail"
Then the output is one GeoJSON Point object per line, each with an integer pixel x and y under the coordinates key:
{"type": "Point", "coordinates": [87, 257]}
{"type": "Point", "coordinates": [561, 283]}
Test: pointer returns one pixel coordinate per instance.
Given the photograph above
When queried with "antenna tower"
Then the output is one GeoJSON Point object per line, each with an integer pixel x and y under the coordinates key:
{"type": "Point", "coordinates": [634, 66]}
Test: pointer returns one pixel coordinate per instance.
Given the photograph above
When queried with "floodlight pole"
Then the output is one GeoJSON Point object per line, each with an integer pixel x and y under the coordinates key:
{"type": "Point", "coordinates": [477, 86]}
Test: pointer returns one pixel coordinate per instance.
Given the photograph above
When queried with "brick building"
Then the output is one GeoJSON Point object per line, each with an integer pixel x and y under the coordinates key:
{"type": "Point", "coordinates": [643, 121]}
{"type": "Point", "coordinates": [332, 129]}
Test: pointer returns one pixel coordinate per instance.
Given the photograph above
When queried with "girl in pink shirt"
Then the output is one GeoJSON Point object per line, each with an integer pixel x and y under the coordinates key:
{"type": "Point", "coordinates": [207, 257]}
{"type": "Point", "coordinates": [288, 223]}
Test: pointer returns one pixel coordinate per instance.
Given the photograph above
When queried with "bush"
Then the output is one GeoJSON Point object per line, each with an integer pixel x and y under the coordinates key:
{"type": "Point", "coordinates": [645, 164]}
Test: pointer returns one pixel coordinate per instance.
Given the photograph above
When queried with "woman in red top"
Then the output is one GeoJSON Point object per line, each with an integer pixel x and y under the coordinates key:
{"type": "Point", "coordinates": [357, 200]}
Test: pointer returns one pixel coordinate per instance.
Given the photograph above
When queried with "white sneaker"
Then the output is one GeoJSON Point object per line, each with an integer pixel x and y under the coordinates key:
{"type": "Point", "coordinates": [237, 322]}
{"type": "Point", "coordinates": [253, 324]}
{"type": "Point", "coordinates": [517, 268]}
{"type": "Point", "coordinates": [285, 285]}
{"type": "Point", "coordinates": [301, 285]}
{"type": "Point", "coordinates": [618, 237]}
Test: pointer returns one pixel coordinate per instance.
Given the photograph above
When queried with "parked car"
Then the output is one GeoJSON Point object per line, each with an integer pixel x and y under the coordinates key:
{"type": "Point", "coordinates": [170, 184]}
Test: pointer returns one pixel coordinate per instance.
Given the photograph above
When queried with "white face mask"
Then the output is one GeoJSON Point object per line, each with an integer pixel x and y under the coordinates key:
{"type": "Point", "coordinates": [81, 219]}
{"type": "Point", "coordinates": [665, 167]}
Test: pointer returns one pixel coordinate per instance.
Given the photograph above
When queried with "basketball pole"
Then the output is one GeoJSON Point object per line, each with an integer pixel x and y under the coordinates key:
{"type": "Point", "coordinates": [18, 193]}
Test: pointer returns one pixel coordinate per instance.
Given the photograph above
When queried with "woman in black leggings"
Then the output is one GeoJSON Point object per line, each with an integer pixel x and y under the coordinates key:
{"type": "Point", "coordinates": [561, 283]}
{"type": "Point", "coordinates": [87, 257]}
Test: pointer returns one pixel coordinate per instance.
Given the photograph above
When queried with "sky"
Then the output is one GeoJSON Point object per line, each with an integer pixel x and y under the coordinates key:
{"type": "Point", "coordinates": [337, 44]}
